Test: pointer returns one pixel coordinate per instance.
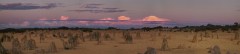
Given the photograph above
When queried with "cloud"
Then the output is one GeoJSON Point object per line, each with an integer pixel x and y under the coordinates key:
{"type": "Point", "coordinates": [107, 19]}
{"type": "Point", "coordinates": [25, 6]}
{"type": "Point", "coordinates": [121, 21]}
{"type": "Point", "coordinates": [113, 11]}
{"type": "Point", "coordinates": [64, 18]}
{"type": "Point", "coordinates": [123, 18]}
{"type": "Point", "coordinates": [99, 11]}
{"type": "Point", "coordinates": [154, 18]}
{"type": "Point", "coordinates": [90, 11]}
{"type": "Point", "coordinates": [97, 8]}
{"type": "Point", "coordinates": [92, 6]}
{"type": "Point", "coordinates": [110, 8]}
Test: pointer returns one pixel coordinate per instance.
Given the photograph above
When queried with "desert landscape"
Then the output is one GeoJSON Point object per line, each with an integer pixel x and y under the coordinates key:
{"type": "Point", "coordinates": [119, 26]}
{"type": "Point", "coordinates": [120, 41]}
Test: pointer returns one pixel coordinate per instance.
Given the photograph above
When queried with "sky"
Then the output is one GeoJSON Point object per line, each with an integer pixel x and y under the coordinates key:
{"type": "Point", "coordinates": [116, 13]}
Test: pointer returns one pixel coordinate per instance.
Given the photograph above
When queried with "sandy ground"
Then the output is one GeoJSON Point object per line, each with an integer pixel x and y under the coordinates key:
{"type": "Point", "coordinates": [139, 46]}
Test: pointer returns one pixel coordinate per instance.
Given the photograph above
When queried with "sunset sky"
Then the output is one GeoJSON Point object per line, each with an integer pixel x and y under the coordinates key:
{"type": "Point", "coordinates": [116, 13]}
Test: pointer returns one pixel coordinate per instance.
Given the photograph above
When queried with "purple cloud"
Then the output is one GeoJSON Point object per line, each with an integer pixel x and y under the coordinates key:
{"type": "Point", "coordinates": [99, 11]}
{"type": "Point", "coordinates": [97, 8]}
{"type": "Point", "coordinates": [110, 8]}
{"type": "Point", "coordinates": [25, 6]}
{"type": "Point", "coordinates": [92, 6]}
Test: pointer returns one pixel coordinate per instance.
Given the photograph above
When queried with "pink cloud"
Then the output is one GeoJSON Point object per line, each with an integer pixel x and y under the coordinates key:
{"type": "Point", "coordinates": [154, 18]}
{"type": "Point", "coordinates": [64, 18]}
{"type": "Point", "coordinates": [91, 22]}
{"type": "Point", "coordinates": [107, 19]}
{"type": "Point", "coordinates": [123, 18]}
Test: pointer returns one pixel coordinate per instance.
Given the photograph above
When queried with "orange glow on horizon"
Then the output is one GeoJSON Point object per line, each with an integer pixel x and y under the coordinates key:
{"type": "Point", "coordinates": [154, 18]}
{"type": "Point", "coordinates": [123, 18]}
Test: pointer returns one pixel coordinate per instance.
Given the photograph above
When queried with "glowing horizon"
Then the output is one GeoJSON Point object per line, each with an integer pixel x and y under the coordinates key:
{"type": "Point", "coordinates": [118, 13]}
{"type": "Point", "coordinates": [106, 22]}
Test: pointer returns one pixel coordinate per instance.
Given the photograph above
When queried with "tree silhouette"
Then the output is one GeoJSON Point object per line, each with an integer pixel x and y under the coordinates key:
{"type": "Point", "coordinates": [109, 28]}
{"type": "Point", "coordinates": [63, 27]}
